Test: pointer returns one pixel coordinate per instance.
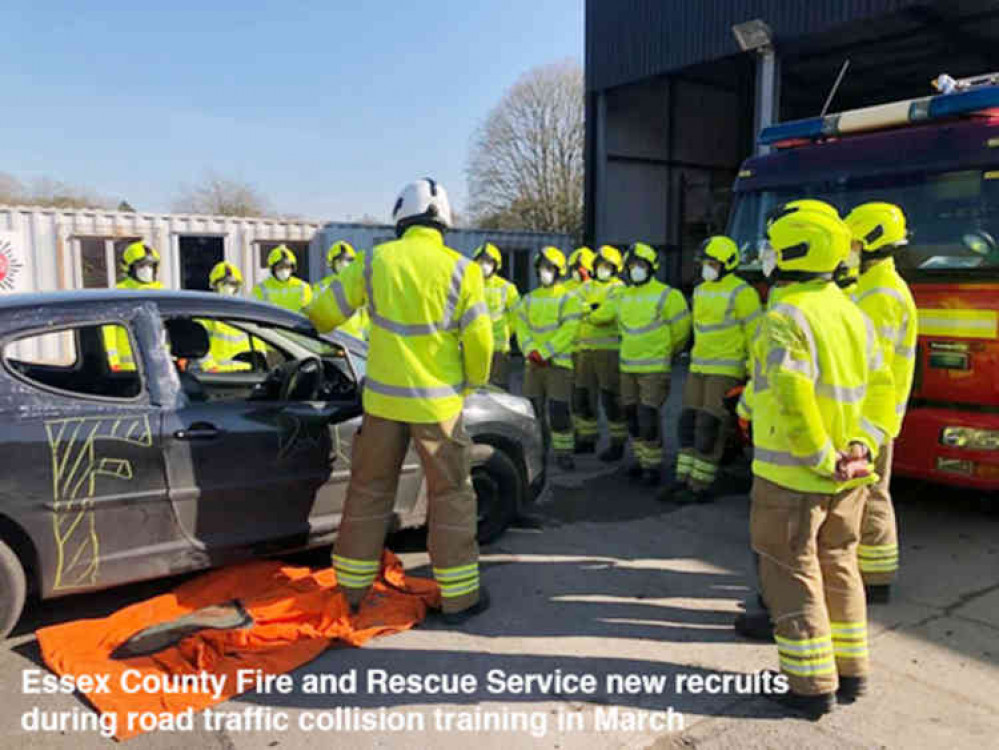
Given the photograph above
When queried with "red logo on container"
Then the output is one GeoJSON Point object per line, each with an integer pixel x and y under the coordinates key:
{"type": "Point", "coordinates": [10, 266]}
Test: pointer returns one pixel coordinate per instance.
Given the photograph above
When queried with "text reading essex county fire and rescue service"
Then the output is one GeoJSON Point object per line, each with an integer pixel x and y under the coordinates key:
{"type": "Point", "coordinates": [380, 700]}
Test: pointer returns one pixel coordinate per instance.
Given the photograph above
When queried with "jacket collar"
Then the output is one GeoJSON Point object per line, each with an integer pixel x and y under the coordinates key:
{"type": "Point", "coordinates": [424, 233]}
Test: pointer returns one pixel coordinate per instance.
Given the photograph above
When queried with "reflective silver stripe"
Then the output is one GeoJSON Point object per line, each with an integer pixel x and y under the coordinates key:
{"type": "Point", "coordinates": [643, 362]}
{"type": "Point", "coordinates": [237, 338]}
{"type": "Point", "coordinates": [872, 341]}
{"type": "Point", "coordinates": [454, 291]}
{"type": "Point", "coordinates": [405, 391]}
{"type": "Point", "coordinates": [907, 352]}
{"type": "Point", "coordinates": [888, 332]}
{"type": "Point", "coordinates": [882, 290]}
{"type": "Point", "coordinates": [601, 341]}
{"type": "Point", "coordinates": [782, 358]}
{"type": "Point", "coordinates": [799, 318]}
{"type": "Point", "coordinates": [369, 287]}
{"type": "Point", "coordinates": [340, 295]}
{"type": "Point", "coordinates": [472, 314]}
{"type": "Point", "coordinates": [786, 458]}
{"type": "Point", "coordinates": [752, 316]}
{"type": "Point", "coordinates": [875, 432]}
{"type": "Point", "coordinates": [760, 382]}
{"type": "Point", "coordinates": [657, 321]}
{"type": "Point", "coordinates": [543, 329]}
{"type": "Point", "coordinates": [682, 315]}
{"type": "Point", "coordinates": [572, 316]}
{"type": "Point", "coordinates": [447, 323]}
{"type": "Point", "coordinates": [900, 409]}
{"type": "Point", "coordinates": [842, 394]}
{"type": "Point", "coordinates": [717, 362]}
{"type": "Point", "coordinates": [727, 321]}
{"type": "Point", "coordinates": [713, 327]}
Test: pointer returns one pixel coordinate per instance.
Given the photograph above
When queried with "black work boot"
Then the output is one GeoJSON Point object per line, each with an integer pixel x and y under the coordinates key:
{"type": "Point", "coordinates": [686, 496]}
{"type": "Point", "coordinates": [669, 493]}
{"type": "Point", "coordinates": [460, 618]}
{"type": "Point", "coordinates": [653, 477]}
{"type": "Point", "coordinates": [585, 446]}
{"type": "Point", "coordinates": [635, 471]}
{"type": "Point", "coordinates": [755, 626]}
{"type": "Point", "coordinates": [878, 594]}
{"type": "Point", "coordinates": [565, 462]}
{"type": "Point", "coordinates": [813, 707]}
{"type": "Point", "coordinates": [851, 688]}
{"type": "Point", "coordinates": [614, 452]}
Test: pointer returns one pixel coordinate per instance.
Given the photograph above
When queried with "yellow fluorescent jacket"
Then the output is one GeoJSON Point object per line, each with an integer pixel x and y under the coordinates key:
{"type": "Point", "coordinates": [501, 298]}
{"type": "Point", "coordinates": [595, 336]}
{"type": "Point", "coordinates": [116, 344]}
{"type": "Point", "coordinates": [359, 324]}
{"type": "Point", "coordinates": [548, 321]}
{"type": "Point", "coordinates": [293, 294]}
{"type": "Point", "coordinates": [726, 314]}
{"type": "Point", "coordinates": [431, 335]}
{"type": "Point", "coordinates": [654, 323]}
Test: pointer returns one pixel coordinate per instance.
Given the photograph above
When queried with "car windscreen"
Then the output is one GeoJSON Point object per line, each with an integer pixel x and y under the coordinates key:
{"type": "Point", "coordinates": [953, 217]}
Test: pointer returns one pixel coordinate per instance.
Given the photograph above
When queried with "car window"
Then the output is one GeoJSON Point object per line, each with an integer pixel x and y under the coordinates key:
{"type": "Point", "coordinates": [232, 348]}
{"type": "Point", "coordinates": [86, 360]}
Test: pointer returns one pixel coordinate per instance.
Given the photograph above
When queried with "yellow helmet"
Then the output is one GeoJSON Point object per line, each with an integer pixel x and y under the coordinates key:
{"type": "Point", "coordinates": [878, 226]}
{"type": "Point", "coordinates": [223, 271]}
{"type": "Point", "coordinates": [582, 256]}
{"type": "Point", "coordinates": [336, 250]}
{"type": "Point", "coordinates": [554, 256]}
{"type": "Point", "coordinates": [281, 254]}
{"type": "Point", "coordinates": [802, 204]}
{"type": "Point", "coordinates": [490, 250]}
{"type": "Point", "coordinates": [139, 251]}
{"type": "Point", "coordinates": [610, 254]}
{"type": "Point", "coordinates": [646, 253]}
{"type": "Point", "coordinates": [722, 249]}
{"type": "Point", "coordinates": [809, 242]}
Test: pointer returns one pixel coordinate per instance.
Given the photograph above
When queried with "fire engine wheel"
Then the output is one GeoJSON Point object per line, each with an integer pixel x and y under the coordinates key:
{"type": "Point", "coordinates": [497, 485]}
{"type": "Point", "coordinates": [13, 589]}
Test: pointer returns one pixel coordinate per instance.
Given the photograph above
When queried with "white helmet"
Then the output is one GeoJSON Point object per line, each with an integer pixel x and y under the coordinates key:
{"type": "Point", "coordinates": [422, 202]}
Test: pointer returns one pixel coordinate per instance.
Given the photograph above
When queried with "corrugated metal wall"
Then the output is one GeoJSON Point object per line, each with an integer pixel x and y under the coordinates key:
{"type": "Point", "coordinates": [40, 248]}
{"type": "Point", "coordinates": [627, 40]}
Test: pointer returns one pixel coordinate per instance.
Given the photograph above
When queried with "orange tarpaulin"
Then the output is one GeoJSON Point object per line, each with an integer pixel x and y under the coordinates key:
{"type": "Point", "coordinates": [297, 614]}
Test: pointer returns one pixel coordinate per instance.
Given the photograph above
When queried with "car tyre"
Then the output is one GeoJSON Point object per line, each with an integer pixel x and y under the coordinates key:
{"type": "Point", "coordinates": [498, 489]}
{"type": "Point", "coordinates": [13, 589]}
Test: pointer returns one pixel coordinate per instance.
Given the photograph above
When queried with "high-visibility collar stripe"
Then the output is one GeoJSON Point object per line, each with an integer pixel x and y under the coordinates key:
{"type": "Point", "coordinates": [403, 391]}
{"type": "Point", "coordinates": [786, 458]}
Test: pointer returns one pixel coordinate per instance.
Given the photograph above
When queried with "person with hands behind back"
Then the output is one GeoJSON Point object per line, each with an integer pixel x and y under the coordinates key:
{"type": "Point", "coordinates": [547, 323]}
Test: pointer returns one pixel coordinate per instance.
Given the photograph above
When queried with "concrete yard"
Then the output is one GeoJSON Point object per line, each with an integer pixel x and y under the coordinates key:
{"type": "Point", "coordinates": [610, 582]}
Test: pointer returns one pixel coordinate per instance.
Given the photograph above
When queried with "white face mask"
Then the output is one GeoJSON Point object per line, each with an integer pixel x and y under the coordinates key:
{"type": "Point", "coordinates": [709, 272]}
{"type": "Point", "coordinates": [638, 274]}
{"type": "Point", "coordinates": [854, 260]}
{"type": "Point", "coordinates": [340, 264]}
{"type": "Point", "coordinates": [145, 274]}
{"type": "Point", "coordinates": [227, 290]}
{"type": "Point", "coordinates": [604, 273]}
{"type": "Point", "coordinates": [547, 276]}
{"type": "Point", "coordinates": [577, 276]}
{"type": "Point", "coordinates": [488, 268]}
{"type": "Point", "coordinates": [768, 258]}
{"type": "Point", "coordinates": [282, 274]}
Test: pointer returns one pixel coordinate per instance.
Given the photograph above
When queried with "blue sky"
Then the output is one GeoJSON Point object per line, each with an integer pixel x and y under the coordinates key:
{"type": "Point", "coordinates": [327, 107]}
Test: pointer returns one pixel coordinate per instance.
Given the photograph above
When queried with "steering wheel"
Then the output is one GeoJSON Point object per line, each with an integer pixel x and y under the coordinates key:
{"type": "Point", "coordinates": [303, 381]}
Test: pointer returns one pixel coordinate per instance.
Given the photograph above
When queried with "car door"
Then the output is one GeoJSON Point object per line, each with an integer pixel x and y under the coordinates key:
{"type": "Point", "coordinates": [245, 470]}
{"type": "Point", "coordinates": [85, 473]}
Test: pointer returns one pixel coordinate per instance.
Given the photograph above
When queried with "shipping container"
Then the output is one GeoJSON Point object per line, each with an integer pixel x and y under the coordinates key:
{"type": "Point", "coordinates": [46, 249]}
{"type": "Point", "coordinates": [518, 248]}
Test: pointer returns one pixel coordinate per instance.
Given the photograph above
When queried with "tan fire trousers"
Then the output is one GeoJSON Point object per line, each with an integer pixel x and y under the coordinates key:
{"type": "Point", "coordinates": [499, 373]}
{"type": "Point", "coordinates": [379, 449]}
{"type": "Point", "coordinates": [878, 551]}
{"type": "Point", "coordinates": [704, 428]}
{"type": "Point", "coordinates": [807, 547]}
{"type": "Point", "coordinates": [598, 380]}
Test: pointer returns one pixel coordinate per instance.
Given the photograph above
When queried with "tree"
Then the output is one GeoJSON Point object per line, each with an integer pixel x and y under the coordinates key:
{"type": "Point", "coordinates": [525, 170]}
{"type": "Point", "coordinates": [125, 207]}
{"type": "Point", "coordinates": [49, 193]}
{"type": "Point", "coordinates": [221, 196]}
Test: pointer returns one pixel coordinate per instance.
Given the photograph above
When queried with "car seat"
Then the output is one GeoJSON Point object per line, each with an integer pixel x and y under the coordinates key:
{"type": "Point", "coordinates": [188, 341]}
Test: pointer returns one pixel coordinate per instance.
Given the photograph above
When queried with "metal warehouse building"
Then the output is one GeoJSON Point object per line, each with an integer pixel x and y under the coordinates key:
{"type": "Point", "coordinates": [46, 249]}
{"type": "Point", "coordinates": [673, 103]}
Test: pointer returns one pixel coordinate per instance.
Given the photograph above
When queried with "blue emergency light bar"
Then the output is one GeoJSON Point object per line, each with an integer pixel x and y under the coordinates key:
{"type": "Point", "coordinates": [891, 115]}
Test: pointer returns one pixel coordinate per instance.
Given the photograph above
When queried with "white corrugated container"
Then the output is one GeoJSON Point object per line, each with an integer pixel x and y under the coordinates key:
{"type": "Point", "coordinates": [45, 249]}
{"type": "Point", "coordinates": [518, 248]}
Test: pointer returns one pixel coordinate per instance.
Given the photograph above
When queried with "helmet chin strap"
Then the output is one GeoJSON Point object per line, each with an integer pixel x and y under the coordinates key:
{"type": "Point", "coordinates": [800, 276]}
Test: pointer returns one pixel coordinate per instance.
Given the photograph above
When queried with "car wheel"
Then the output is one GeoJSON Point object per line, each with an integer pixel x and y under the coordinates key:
{"type": "Point", "coordinates": [497, 484]}
{"type": "Point", "coordinates": [13, 589]}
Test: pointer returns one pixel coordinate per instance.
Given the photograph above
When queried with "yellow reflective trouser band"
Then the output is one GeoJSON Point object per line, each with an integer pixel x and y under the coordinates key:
{"type": "Point", "coordinates": [807, 657]}
{"type": "Point", "coordinates": [586, 428]}
{"type": "Point", "coordinates": [563, 442]}
{"type": "Point", "coordinates": [457, 581]}
{"type": "Point", "coordinates": [618, 431]}
{"type": "Point", "coordinates": [650, 456]}
{"type": "Point", "coordinates": [703, 471]}
{"type": "Point", "coordinates": [850, 640]}
{"type": "Point", "coordinates": [355, 574]}
{"type": "Point", "coordinates": [878, 558]}
{"type": "Point", "coordinates": [684, 465]}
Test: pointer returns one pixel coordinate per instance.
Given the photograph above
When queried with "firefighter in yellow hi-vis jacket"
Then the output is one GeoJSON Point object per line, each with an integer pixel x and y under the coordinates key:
{"type": "Point", "coordinates": [654, 322]}
{"type": "Point", "coordinates": [282, 288]}
{"type": "Point", "coordinates": [141, 264]}
{"type": "Point", "coordinates": [823, 398]}
{"type": "Point", "coordinates": [501, 297]}
{"type": "Point", "coordinates": [879, 232]}
{"type": "Point", "coordinates": [431, 344]}
{"type": "Point", "coordinates": [226, 343]}
{"type": "Point", "coordinates": [340, 255]}
{"type": "Point", "coordinates": [597, 372]}
{"type": "Point", "coordinates": [580, 272]}
{"type": "Point", "coordinates": [726, 313]}
{"type": "Point", "coordinates": [547, 321]}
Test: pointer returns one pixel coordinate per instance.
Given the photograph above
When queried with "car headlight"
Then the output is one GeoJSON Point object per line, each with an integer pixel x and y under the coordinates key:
{"type": "Point", "coordinates": [515, 404]}
{"type": "Point", "coordinates": [970, 439]}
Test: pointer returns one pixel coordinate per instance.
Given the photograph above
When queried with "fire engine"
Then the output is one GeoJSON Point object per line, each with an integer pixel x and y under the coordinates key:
{"type": "Point", "coordinates": [938, 158]}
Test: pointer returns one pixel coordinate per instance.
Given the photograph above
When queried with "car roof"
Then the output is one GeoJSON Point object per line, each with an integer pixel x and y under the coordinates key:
{"type": "Point", "coordinates": [169, 302]}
